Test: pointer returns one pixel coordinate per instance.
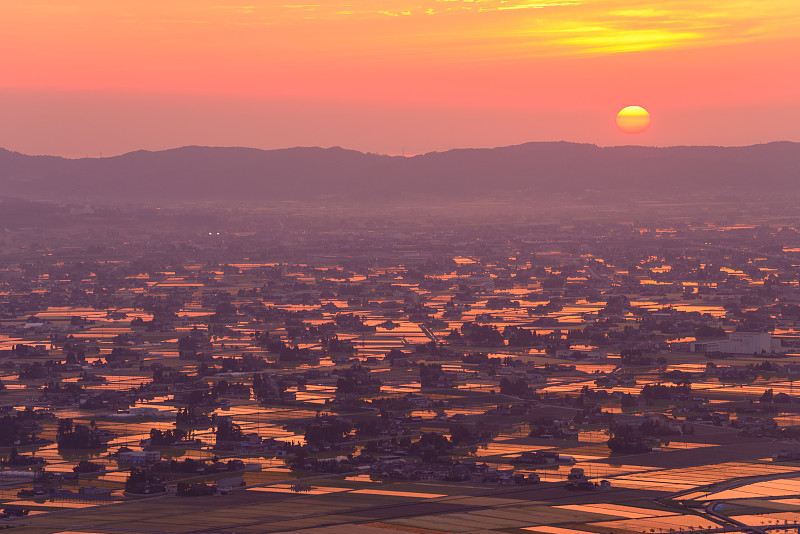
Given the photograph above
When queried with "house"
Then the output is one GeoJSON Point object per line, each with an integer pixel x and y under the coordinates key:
{"type": "Point", "coordinates": [226, 485]}
{"type": "Point", "coordinates": [139, 457]}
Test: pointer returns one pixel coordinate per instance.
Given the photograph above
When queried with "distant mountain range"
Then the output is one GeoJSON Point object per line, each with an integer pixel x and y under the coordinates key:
{"type": "Point", "coordinates": [251, 175]}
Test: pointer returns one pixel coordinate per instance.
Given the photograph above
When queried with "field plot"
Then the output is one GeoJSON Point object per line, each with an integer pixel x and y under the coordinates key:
{"type": "Point", "coordinates": [403, 378]}
{"type": "Point", "coordinates": [770, 488]}
{"type": "Point", "coordinates": [691, 477]}
{"type": "Point", "coordinates": [674, 522]}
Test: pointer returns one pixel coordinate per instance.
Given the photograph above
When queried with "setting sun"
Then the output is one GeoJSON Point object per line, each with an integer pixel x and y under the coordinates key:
{"type": "Point", "coordinates": [633, 119]}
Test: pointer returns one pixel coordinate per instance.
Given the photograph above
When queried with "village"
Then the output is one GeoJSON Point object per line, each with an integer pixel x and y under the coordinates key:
{"type": "Point", "coordinates": [503, 358]}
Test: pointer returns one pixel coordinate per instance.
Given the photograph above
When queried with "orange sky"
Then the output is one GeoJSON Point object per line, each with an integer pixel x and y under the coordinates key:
{"type": "Point", "coordinates": [87, 76]}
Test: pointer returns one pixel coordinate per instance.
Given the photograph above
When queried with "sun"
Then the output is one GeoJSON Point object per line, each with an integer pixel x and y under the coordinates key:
{"type": "Point", "coordinates": [633, 119]}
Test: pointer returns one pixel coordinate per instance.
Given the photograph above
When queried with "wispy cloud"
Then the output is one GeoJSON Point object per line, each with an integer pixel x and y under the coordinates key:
{"type": "Point", "coordinates": [536, 5]}
{"type": "Point", "coordinates": [476, 28]}
{"type": "Point", "coordinates": [556, 27]}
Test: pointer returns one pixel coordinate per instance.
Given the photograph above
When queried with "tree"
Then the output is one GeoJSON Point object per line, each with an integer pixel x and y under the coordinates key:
{"type": "Point", "coordinates": [182, 489]}
{"type": "Point", "coordinates": [518, 388]}
{"type": "Point", "coordinates": [71, 436]}
{"type": "Point", "coordinates": [328, 430]}
{"type": "Point", "coordinates": [626, 440]}
{"type": "Point", "coordinates": [166, 438]}
{"type": "Point", "coordinates": [64, 427]}
{"type": "Point", "coordinates": [432, 375]}
{"type": "Point", "coordinates": [628, 401]}
{"type": "Point", "coordinates": [227, 430]}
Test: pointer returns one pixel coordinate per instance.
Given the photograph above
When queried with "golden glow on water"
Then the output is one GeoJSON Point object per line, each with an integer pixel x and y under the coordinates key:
{"type": "Point", "coordinates": [618, 510]}
{"type": "Point", "coordinates": [527, 304]}
{"type": "Point", "coordinates": [774, 517]}
{"type": "Point", "coordinates": [557, 530]}
{"type": "Point", "coordinates": [393, 493]}
{"type": "Point", "coordinates": [691, 477]}
{"type": "Point", "coordinates": [287, 488]}
{"type": "Point", "coordinates": [673, 522]}
{"type": "Point", "coordinates": [770, 488]}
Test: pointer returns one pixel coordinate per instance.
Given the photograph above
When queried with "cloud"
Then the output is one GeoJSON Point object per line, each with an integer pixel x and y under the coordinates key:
{"type": "Point", "coordinates": [453, 29]}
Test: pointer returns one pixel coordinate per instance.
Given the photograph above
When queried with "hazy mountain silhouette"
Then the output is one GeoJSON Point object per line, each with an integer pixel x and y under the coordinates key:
{"type": "Point", "coordinates": [246, 174]}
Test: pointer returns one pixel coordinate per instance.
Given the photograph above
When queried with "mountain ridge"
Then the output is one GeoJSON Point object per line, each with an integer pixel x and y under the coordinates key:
{"type": "Point", "coordinates": [233, 174]}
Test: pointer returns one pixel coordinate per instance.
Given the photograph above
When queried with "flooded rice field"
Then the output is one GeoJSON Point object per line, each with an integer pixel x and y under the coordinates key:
{"type": "Point", "coordinates": [523, 387]}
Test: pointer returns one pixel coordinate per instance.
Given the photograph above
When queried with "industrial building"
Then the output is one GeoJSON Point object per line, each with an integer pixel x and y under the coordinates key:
{"type": "Point", "coordinates": [740, 343]}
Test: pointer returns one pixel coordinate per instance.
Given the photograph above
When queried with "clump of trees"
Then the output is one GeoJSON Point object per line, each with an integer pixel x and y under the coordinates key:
{"type": "Point", "coordinates": [77, 436]}
{"type": "Point", "coordinates": [142, 482]}
{"type": "Point", "coordinates": [707, 331]}
{"type": "Point", "coordinates": [432, 376]}
{"type": "Point", "coordinates": [516, 336]}
{"type": "Point", "coordinates": [227, 430]}
{"type": "Point", "coordinates": [546, 426]}
{"type": "Point", "coordinates": [482, 335]}
{"type": "Point", "coordinates": [656, 392]}
{"type": "Point", "coordinates": [634, 357]}
{"type": "Point", "coordinates": [166, 438]}
{"type": "Point", "coordinates": [627, 440]}
{"type": "Point", "coordinates": [35, 370]}
{"type": "Point", "coordinates": [518, 387]}
{"type": "Point", "coordinates": [356, 380]}
{"type": "Point", "coordinates": [461, 435]}
{"type": "Point", "coordinates": [87, 467]}
{"type": "Point", "coordinates": [433, 447]}
{"type": "Point", "coordinates": [14, 432]}
{"type": "Point", "coordinates": [327, 431]}
{"type": "Point", "coordinates": [15, 459]}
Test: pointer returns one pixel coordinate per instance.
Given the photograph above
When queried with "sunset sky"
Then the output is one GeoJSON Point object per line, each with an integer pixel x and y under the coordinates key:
{"type": "Point", "coordinates": [84, 77]}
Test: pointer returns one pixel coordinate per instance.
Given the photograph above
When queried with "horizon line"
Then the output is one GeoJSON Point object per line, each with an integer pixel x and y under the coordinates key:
{"type": "Point", "coordinates": [339, 147]}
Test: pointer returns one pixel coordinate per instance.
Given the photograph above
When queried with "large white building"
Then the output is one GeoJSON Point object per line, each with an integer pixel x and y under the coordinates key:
{"type": "Point", "coordinates": [740, 343]}
{"type": "Point", "coordinates": [139, 457]}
